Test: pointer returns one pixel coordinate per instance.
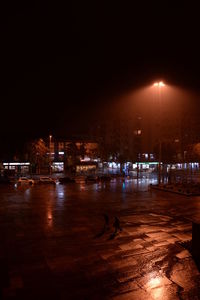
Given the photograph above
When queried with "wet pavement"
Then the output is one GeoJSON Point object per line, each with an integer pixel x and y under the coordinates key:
{"type": "Point", "coordinates": [118, 240]}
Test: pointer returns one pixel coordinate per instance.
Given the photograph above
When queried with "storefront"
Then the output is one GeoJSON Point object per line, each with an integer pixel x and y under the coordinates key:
{"type": "Point", "coordinates": [57, 167]}
{"type": "Point", "coordinates": [86, 167]}
{"type": "Point", "coordinates": [14, 168]}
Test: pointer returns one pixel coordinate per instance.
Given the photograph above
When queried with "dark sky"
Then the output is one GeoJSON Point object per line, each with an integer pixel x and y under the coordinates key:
{"type": "Point", "coordinates": [61, 63]}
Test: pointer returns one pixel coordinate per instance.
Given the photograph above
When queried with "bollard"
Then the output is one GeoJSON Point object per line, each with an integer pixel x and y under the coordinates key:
{"type": "Point", "coordinates": [196, 242]}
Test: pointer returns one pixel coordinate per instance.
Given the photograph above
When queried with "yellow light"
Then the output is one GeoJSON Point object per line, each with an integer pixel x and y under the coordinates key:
{"type": "Point", "coordinates": [154, 282]}
{"type": "Point", "coordinates": [159, 84]}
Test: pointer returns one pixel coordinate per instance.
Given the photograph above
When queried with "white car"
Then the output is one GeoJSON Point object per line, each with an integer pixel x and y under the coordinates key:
{"type": "Point", "coordinates": [25, 180]}
{"type": "Point", "coordinates": [47, 180]}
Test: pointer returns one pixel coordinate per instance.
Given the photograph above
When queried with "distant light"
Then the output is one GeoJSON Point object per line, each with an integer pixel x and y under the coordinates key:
{"type": "Point", "coordinates": [138, 132]}
{"type": "Point", "coordinates": [61, 152]}
{"type": "Point", "coordinates": [85, 159]}
{"type": "Point", "coordinates": [17, 164]}
{"type": "Point", "coordinates": [159, 84]}
{"type": "Point", "coordinates": [147, 163]}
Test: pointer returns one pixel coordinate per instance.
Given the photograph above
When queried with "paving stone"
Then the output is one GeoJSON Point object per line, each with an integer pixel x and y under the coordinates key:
{"type": "Point", "coordinates": [59, 258]}
{"type": "Point", "coordinates": [166, 292]}
{"type": "Point", "coordinates": [172, 240]}
{"type": "Point", "coordinates": [183, 237]}
{"type": "Point", "coordinates": [127, 276]}
{"type": "Point", "coordinates": [183, 254]}
{"type": "Point", "coordinates": [163, 243]}
{"type": "Point", "coordinates": [153, 280]}
{"type": "Point", "coordinates": [152, 248]}
{"type": "Point", "coordinates": [131, 246]}
{"type": "Point", "coordinates": [139, 294]}
{"type": "Point", "coordinates": [159, 235]}
{"type": "Point", "coordinates": [185, 277]}
{"type": "Point", "coordinates": [130, 262]}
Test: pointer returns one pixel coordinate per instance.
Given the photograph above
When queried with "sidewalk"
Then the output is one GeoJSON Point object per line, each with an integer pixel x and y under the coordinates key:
{"type": "Point", "coordinates": [52, 245]}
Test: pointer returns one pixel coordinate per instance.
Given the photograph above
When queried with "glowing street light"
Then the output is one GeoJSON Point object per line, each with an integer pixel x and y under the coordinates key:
{"type": "Point", "coordinates": [159, 85]}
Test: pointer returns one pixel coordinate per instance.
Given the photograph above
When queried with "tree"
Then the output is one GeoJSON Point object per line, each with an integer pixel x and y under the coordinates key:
{"type": "Point", "coordinates": [72, 156]}
{"type": "Point", "coordinates": [37, 155]}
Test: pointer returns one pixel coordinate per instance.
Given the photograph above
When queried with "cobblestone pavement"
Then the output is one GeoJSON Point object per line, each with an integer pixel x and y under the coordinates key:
{"type": "Point", "coordinates": [60, 243]}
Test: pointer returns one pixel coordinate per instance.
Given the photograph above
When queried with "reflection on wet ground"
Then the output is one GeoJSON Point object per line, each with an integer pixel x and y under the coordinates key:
{"type": "Point", "coordinates": [116, 240]}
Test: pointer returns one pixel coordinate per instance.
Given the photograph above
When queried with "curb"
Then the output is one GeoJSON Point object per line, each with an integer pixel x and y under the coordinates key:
{"type": "Point", "coordinates": [174, 191]}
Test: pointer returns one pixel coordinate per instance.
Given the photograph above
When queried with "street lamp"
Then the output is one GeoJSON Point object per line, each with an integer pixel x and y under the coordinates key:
{"type": "Point", "coordinates": [159, 85]}
{"type": "Point", "coordinates": [50, 137]}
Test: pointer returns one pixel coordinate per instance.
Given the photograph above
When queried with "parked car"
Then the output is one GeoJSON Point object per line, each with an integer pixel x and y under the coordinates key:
{"type": "Point", "coordinates": [47, 180]}
{"type": "Point", "coordinates": [25, 180]}
{"type": "Point", "coordinates": [64, 180]}
{"type": "Point", "coordinates": [92, 178]}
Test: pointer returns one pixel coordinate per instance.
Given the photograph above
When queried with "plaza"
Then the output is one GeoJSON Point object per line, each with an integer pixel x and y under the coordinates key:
{"type": "Point", "coordinates": [61, 242]}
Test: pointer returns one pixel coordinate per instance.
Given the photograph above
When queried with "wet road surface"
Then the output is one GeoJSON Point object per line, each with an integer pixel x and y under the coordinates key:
{"type": "Point", "coordinates": [96, 241]}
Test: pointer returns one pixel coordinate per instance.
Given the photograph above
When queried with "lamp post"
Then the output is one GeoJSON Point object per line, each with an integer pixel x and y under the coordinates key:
{"type": "Point", "coordinates": [50, 137]}
{"type": "Point", "coordinates": [159, 86]}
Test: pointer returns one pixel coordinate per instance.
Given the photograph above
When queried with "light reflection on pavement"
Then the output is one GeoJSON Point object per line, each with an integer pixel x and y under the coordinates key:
{"type": "Point", "coordinates": [55, 242]}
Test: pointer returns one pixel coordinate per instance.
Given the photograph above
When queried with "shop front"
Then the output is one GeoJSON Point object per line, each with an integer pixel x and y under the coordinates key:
{"type": "Point", "coordinates": [16, 168]}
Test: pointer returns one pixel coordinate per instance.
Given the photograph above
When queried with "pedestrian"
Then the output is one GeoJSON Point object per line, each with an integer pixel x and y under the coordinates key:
{"type": "Point", "coordinates": [116, 225]}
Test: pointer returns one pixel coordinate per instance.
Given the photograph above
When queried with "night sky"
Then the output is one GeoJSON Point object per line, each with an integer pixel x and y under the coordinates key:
{"type": "Point", "coordinates": [60, 64]}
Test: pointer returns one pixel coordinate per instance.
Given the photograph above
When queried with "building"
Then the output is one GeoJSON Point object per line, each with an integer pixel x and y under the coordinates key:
{"type": "Point", "coordinates": [65, 154]}
{"type": "Point", "coordinates": [136, 134]}
{"type": "Point", "coordinates": [15, 168]}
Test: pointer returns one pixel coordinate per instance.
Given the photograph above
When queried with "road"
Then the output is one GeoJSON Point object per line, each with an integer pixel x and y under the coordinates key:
{"type": "Point", "coordinates": [59, 242]}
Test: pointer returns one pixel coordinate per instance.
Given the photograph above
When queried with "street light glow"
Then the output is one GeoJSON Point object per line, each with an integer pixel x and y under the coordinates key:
{"type": "Point", "coordinates": [159, 84]}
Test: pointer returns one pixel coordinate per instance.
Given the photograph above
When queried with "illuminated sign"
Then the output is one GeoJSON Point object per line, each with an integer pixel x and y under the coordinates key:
{"type": "Point", "coordinates": [16, 164]}
{"type": "Point", "coordinates": [147, 163]}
